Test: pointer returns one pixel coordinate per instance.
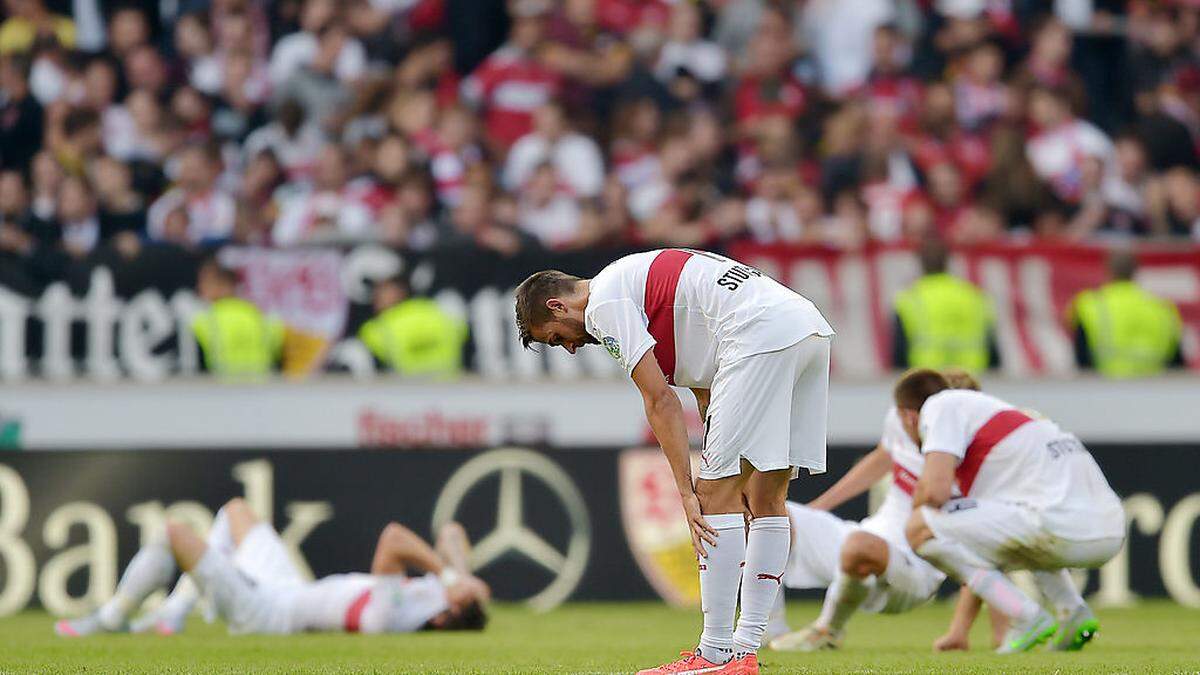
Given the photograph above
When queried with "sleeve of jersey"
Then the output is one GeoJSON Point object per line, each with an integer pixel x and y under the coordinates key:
{"type": "Point", "coordinates": [943, 428]}
{"type": "Point", "coordinates": [621, 329]}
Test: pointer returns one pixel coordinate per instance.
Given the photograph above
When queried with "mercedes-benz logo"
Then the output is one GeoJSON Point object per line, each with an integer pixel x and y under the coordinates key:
{"type": "Point", "coordinates": [510, 532]}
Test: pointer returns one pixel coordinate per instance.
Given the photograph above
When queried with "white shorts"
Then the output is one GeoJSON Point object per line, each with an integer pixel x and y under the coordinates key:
{"type": "Point", "coordinates": [770, 410]}
{"type": "Point", "coordinates": [813, 562]}
{"type": "Point", "coordinates": [254, 591]}
{"type": "Point", "coordinates": [1011, 536]}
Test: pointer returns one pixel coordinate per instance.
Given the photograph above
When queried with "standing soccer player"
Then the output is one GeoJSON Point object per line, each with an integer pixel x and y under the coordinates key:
{"type": "Point", "coordinates": [1033, 498]}
{"type": "Point", "coordinates": [756, 357]}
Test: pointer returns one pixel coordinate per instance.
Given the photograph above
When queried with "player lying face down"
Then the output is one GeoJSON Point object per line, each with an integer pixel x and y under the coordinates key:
{"type": "Point", "coordinates": [248, 575]}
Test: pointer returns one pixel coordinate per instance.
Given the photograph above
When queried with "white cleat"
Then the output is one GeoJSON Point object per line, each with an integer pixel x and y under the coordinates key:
{"type": "Point", "coordinates": [1026, 635]}
{"type": "Point", "coordinates": [83, 626]}
{"type": "Point", "coordinates": [808, 639]}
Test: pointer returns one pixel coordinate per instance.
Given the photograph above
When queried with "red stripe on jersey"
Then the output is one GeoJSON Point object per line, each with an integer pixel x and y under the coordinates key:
{"type": "Point", "coordinates": [992, 432]}
{"type": "Point", "coordinates": [355, 611]}
{"type": "Point", "coordinates": [904, 479]}
{"type": "Point", "coordinates": [662, 280]}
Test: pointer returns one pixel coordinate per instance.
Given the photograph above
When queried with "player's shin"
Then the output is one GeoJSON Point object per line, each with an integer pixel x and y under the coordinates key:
{"type": "Point", "coordinates": [996, 589]}
{"type": "Point", "coordinates": [1060, 590]}
{"type": "Point", "coordinates": [762, 578]}
{"type": "Point", "coordinates": [151, 569]}
{"type": "Point", "coordinates": [720, 574]}
{"type": "Point", "coordinates": [842, 599]}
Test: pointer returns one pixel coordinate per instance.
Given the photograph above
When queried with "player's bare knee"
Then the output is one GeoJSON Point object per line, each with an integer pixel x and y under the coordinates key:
{"type": "Point", "coordinates": [916, 531]}
{"type": "Point", "coordinates": [863, 555]}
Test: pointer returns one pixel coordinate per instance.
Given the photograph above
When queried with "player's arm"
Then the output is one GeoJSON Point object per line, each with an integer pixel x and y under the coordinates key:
{"type": "Point", "coordinates": [664, 412]}
{"type": "Point", "coordinates": [400, 549]}
{"type": "Point", "coordinates": [936, 483]}
{"type": "Point", "coordinates": [965, 611]}
{"type": "Point", "coordinates": [865, 473]}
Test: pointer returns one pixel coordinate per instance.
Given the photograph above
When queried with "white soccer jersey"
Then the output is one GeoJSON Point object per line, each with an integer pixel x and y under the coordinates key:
{"type": "Point", "coordinates": [889, 519]}
{"type": "Point", "coordinates": [366, 603]}
{"type": "Point", "coordinates": [1007, 455]}
{"type": "Point", "coordinates": [697, 310]}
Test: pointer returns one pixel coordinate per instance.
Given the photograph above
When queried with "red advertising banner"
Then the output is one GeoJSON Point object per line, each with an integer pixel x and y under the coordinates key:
{"type": "Point", "coordinates": [1031, 286]}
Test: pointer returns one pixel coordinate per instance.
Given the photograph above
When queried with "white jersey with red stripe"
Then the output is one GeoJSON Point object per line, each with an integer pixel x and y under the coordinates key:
{"type": "Point", "coordinates": [366, 603]}
{"type": "Point", "coordinates": [696, 310]}
{"type": "Point", "coordinates": [890, 518]}
{"type": "Point", "coordinates": [1005, 454]}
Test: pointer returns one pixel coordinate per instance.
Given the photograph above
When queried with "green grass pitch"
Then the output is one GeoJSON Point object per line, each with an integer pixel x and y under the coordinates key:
{"type": "Point", "coordinates": [1157, 637]}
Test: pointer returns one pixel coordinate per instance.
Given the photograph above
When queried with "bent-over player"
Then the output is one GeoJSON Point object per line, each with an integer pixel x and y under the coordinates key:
{"type": "Point", "coordinates": [756, 356]}
{"type": "Point", "coordinates": [245, 569]}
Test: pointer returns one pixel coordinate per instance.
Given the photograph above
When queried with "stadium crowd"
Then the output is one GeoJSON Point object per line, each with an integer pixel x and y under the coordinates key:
{"type": "Point", "coordinates": [577, 123]}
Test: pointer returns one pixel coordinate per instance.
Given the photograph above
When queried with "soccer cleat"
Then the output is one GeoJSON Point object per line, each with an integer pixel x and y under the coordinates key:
{"type": "Point", "coordinates": [690, 663]}
{"type": "Point", "coordinates": [1026, 635]}
{"type": "Point", "coordinates": [808, 639]}
{"type": "Point", "coordinates": [158, 622]}
{"type": "Point", "coordinates": [1077, 629]}
{"type": "Point", "coordinates": [746, 664]}
{"type": "Point", "coordinates": [83, 626]}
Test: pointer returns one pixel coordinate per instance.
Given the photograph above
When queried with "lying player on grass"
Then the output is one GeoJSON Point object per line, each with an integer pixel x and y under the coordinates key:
{"type": "Point", "coordinates": [245, 569]}
{"type": "Point", "coordinates": [1032, 498]}
{"type": "Point", "coordinates": [868, 566]}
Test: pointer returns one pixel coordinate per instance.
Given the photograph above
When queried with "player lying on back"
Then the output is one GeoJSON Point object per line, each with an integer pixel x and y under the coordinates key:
{"type": "Point", "coordinates": [867, 565]}
{"type": "Point", "coordinates": [756, 356]}
{"type": "Point", "coordinates": [246, 571]}
{"type": "Point", "coordinates": [1033, 498]}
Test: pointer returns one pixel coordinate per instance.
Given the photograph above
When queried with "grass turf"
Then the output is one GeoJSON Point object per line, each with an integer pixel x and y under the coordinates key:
{"type": "Point", "coordinates": [1155, 637]}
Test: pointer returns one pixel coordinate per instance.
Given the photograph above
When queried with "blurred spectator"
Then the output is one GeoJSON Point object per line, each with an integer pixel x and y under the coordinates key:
{"type": "Point", "coordinates": [235, 337]}
{"type": "Point", "coordinates": [413, 336]}
{"type": "Point", "coordinates": [943, 321]}
{"type": "Point", "coordinates": [329, 210]}
{"type": "Point", "coordinates": [574, 159]}
{"type": "Point", "coordinates": [209, 211]}
{"type": "Point", "coordinates": [21, 116]}
{"type": "Point", "coordinates": [1122, 330]}
{"type": "Point", "coordinates": [30, 19]}
{"type": "Point", "coordinates": [840, 35]}
{"type": "Point", "coordinates": [546, 212]}
{"type": "Point", "coordinates": [512, 83]}
{"type": "Point", "coordinates": [686, 49]}
{"type": "Point", "coordinates": [323, 44]}
{"type": "Point", "coordinates": [1061, 142]}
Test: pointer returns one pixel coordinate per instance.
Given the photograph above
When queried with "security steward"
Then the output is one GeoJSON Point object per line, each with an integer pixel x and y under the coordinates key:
{"type": "Point", "coordinates": [411, 335]}
{"type": "Point", "coordinates": [1121, 330]}
{"type": "Point", "coordinates": [234, 335]}
{"type": "Point", "coordinates": [943, 321]}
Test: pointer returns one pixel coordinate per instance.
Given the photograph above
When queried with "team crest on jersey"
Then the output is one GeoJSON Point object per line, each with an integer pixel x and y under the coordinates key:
{"type": "Point", "coordinates": [614, 349]}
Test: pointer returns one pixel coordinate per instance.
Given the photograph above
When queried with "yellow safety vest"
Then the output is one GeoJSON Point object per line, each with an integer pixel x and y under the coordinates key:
{"type": "Point", "coordinates": [237, 339]}
{"type": "Point", "coordinates": [1131, 333]}
{"type": "Point", "coordinates": [946, 321]}
{"type": "Point", "coordinates": [416, 337]}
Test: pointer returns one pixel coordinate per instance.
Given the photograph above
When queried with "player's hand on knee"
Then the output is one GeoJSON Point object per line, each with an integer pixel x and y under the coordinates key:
{"type": "Point", "coordinates": [701, 531]}
{"type": "Point", "coordinates": [951, 642]}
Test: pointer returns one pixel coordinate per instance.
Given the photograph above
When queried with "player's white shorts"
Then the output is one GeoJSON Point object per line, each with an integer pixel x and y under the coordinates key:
{"type": "Point", "coordinates": [769, 409]}
{"type": "Point", "coordinates": [1008, 536]}
{"type": "Point", "coordinates": [253, 590]}
{"type": "Point", "coordinates": [813, 562]}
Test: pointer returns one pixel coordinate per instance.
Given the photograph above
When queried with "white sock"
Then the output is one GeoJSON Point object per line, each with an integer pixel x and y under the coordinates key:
{"type": "Point", "coordinates": [151, 569]}
{"type": "Point", "coordinates": [990, 584]}
{"type": "Point", "coordinates": [1059, 589]}
{"type": "Point", "coordinates": [181, 600]}
{"type": "Point", "coordinates": [842, 599]}
{"type": "Point", "coordinates": [777, 623]}
{"type": "Point", "coordinates": [762, 579]}
{"type": "Point", "coordinates": [720, 574]}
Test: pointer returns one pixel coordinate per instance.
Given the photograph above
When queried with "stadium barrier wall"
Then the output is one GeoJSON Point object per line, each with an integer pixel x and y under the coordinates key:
{"type": "Point", "coordinates": [391, 412]}
{"type": "Point", "coordinates": [582, 523]}
{"type": "Point", "coordinates": [117, 318]}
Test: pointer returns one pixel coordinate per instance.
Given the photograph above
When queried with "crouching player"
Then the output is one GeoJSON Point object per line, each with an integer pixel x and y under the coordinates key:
{"type": "Point", "coordinates": [251, 581]}
{"type": "Point", "coordinates": [1033, 498]}
{"type": "Point", "coordinates": [867, 566]}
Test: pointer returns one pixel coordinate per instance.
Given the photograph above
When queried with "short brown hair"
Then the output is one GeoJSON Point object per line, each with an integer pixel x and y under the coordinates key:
{"type": "Point", "coordinates": [532, 295]}
{"type": "Point", "coordinates": [958, 378]}
{"type": "Point", "coordinates": [916, 386]}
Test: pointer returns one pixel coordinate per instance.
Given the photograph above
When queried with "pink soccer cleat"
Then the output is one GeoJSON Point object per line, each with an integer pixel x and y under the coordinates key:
{"type": "Point", "coordinates": [690, 663]}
